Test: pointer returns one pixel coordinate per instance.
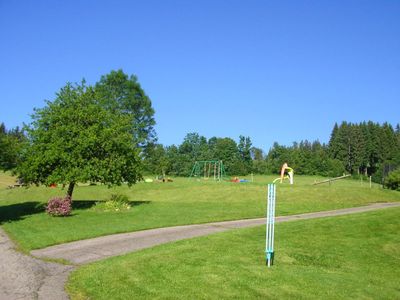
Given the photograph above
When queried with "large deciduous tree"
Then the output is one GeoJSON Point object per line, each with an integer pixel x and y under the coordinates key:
{"type": "Point", "coordinates": [76, 138]}
{"type": "Point", "coordinates": [123, 94]}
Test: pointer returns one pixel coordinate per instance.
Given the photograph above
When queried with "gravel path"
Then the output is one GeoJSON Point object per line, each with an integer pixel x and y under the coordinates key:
{"type": "Point", "coordinates": [26, 277]}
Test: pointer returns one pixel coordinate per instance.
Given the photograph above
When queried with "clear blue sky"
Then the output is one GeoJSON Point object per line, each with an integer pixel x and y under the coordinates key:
{"type": "Point", "coordinates": [272, 70]}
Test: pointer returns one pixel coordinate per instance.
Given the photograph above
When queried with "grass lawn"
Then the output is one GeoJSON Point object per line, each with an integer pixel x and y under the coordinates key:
{"type": "Point", "coordinates": [347, 257]}
{"type": "Point", "coordinates": [181, 202]}
{"type": "Point", "coordinates": [6, 179]}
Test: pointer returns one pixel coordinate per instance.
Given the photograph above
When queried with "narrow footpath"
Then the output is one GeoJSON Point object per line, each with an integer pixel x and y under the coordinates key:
{"type": "Point", "coordinates": [27, 277]}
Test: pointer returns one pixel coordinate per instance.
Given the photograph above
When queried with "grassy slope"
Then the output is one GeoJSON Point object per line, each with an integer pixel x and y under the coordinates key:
{"type": "Point", "coordinates": [348, 257]}
{"type": "Point", "coordinates": [177, 203]}
{"type": "Point", "coordinates": [6, 179]}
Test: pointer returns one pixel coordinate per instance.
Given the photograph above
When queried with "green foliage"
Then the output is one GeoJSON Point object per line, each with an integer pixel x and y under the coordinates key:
{"type": "Point", "coordinates": [392, 181]}
{"type": "Point", "coordinates": [179, 160]}
{"type": "Point", "coordinates": [123, 94]}
{"type": "Point", "coordinates": [334, 168]}
{"type": "Point", "coordinates": [76, 138]}
{"type": "Point", "coordinates": [244, 149]}
{"type": "Point", "coordinates": [305, 158]}
{"type": "Point", "coordinates": [117, 202]}
{"type": "Point", "coordinates": [155, 159]}
{"type": "Point", "coordinates": [353, 148]}
{"type": "Point", "coordinates": [11, 142]}
{"type": "Point", "coordinates": [364, 147]}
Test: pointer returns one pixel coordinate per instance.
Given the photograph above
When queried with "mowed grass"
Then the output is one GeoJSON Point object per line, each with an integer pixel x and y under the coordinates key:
{"type": "Point", "coordinates": [180, 202]}
{"type": "Point", "coordinates": [348, 257]}
{"type": "Point", "coordinates": [6, 179]}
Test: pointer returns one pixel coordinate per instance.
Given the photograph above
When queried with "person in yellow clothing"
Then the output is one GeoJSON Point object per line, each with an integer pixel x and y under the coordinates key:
{"type": "Point", "coordinates": [290, 173]}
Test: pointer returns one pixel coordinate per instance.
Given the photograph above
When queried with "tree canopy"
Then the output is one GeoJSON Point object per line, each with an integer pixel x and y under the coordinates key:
{"type": "Point", "coordinates": [89, 134]}
{"type": "Point", "coordinates": [123, 94]}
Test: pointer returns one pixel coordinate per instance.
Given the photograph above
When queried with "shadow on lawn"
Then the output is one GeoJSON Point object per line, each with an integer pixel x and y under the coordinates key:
{"type": "Point", "coordinates": [17, 211]}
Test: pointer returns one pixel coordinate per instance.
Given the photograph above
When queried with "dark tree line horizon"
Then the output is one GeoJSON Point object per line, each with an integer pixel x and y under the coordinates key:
{"type": "Point", "coordinates": [367, 148]}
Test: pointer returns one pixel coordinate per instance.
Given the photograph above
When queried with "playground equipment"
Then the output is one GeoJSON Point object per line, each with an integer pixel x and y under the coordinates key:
{"type": "Point", "coordinates": [290, 174]}
{"type": "Point", "coordinates": [270, 225]}
{"type": "Point", "coordinates": [331, 179]}
{"type": "Point", "coordinates": [208, 169]}
{"type": "Point", "coordinates": [238, 180]}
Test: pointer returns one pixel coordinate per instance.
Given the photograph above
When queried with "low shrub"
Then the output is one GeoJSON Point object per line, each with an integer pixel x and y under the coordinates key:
{"type": "Point", "coordinates": [59, 206]}
{"type": "Point", "coordinates": [392, 181]}
{"type": "Point", "coordinates": [117, 202]}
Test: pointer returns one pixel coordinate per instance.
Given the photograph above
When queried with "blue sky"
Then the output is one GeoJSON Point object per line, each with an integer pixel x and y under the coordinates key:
{"type": "Point", "coordinates": [272, 70]}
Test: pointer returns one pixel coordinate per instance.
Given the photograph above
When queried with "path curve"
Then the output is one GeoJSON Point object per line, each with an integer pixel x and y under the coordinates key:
{"type": "Point", "coordinates": [86, 251]}
{"type": "Point", "coordinates": [25, 277]}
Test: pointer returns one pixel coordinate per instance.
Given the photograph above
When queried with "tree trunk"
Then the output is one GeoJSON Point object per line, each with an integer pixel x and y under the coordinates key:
{"type": "Point", "coordinates": [70, 189]}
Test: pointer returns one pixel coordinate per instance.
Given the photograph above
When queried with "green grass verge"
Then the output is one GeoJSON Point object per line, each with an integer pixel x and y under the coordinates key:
{"type": "Point", "coordinates": [166, 204]}
{"type": "Point", "coordinates": [347, 257]}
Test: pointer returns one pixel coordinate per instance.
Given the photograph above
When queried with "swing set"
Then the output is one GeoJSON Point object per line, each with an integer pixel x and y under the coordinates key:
{"type": "Point", "coordinates": [207, 169]}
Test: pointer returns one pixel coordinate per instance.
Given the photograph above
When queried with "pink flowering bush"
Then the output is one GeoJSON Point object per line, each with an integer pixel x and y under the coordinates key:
{"type": "Point", "coordinates": [59, 206]}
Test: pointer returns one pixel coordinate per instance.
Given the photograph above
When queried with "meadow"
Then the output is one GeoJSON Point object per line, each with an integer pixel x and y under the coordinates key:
{"type": "Point", "coordinates": [347, 257]}
{"type": "Point", "coordinates": [183, 201]}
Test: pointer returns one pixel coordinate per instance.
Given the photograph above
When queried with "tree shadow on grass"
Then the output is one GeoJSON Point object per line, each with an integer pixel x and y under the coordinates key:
{"type": "Point", "coordinates": [17, 211]}
{"type": "Point", "coordinates": [83, 204]}
{"type": "Point", "coordinates": [136, 203]}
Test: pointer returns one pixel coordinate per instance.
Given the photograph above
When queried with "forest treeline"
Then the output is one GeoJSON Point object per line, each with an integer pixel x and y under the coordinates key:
{"type": "Point", "coordinates": [10, 146]}
{"type": "Point", "coordinates": [366, 148]}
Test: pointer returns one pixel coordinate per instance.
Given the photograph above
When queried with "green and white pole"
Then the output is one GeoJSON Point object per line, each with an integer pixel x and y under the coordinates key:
{"type": "Point", "coordinates": [270, 225]}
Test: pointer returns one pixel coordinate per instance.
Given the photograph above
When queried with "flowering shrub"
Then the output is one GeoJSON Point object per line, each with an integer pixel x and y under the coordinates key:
{"type": "Point", "coordinates": [59, 206]}
{"type": "Point", "coordinates": [116, 202]}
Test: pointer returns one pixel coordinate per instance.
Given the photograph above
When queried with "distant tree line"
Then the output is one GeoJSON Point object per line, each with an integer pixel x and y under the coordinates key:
{"type": "Point", "coordinates": [11, 141]}
{"type": "Point", "coordinates": [365, 148]}
{"type": "Point", "coordinates": [240, 158]}
{"type": "Point", "coordinates": [179, 160]}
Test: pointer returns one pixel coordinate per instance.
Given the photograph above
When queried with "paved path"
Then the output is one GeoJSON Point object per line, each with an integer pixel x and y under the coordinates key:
{"type": "Point", "coordinates": [26, 277]}
{"type": "Point", "coordinates": [86, 251]}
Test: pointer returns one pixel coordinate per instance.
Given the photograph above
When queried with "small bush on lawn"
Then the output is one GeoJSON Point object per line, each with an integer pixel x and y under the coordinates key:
{"type": "Point", "coordinates": [59, 206]}
{"type": "Point", "coordinates": [117, 202]}
{"type": "Point", "coordinates": [393, 180]}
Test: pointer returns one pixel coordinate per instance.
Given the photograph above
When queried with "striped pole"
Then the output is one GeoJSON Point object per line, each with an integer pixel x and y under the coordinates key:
{"type": "Point", "coordinates": [270, 225]}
